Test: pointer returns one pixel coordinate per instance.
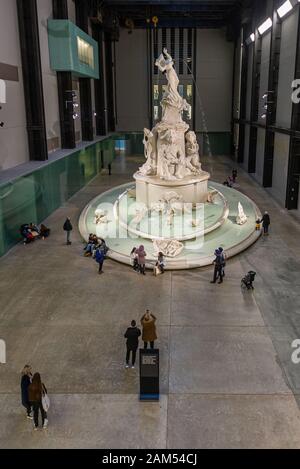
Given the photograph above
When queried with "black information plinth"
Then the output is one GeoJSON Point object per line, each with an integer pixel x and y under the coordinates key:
{"type": "Point", "coordinates": [149, 374]}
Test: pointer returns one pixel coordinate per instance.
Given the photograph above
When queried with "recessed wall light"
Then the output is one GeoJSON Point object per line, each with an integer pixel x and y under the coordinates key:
{"type": "Point", "coordinates": [265, 26]}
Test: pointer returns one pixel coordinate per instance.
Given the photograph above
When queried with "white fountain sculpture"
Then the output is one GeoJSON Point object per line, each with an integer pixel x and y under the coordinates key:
{"type": "Point", "coordinates": [171, 150]}
{"type": "Point", "coordinates": [100, 217]}
{"type": "Point", "coordinates": [241, 218]}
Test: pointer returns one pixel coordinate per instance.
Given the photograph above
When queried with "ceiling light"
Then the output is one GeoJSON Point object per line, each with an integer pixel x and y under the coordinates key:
{"type": "Point", "coordinates": [265, 26]}
{"type": "Point", "coordinates": [252, 37]}
{"type": "Point", "coordinates": [285, 8]}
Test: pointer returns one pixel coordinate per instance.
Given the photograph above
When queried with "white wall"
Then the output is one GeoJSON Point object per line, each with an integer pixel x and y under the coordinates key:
{"type": "Point", "coordinates": [49, 79]}
{"type": "Point", "coordinates": [214, 76]}
{"type": "Point", "coordinates": [132, 81]}
{"type": "Point", "coordinates": [13, 136]}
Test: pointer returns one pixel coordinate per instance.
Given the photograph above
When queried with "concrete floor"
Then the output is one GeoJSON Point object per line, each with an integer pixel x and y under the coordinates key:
{"type": "Point", "coordinates": [227, 379]}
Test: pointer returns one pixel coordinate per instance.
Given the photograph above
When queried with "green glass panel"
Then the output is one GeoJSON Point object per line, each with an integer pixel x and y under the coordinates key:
{"type": "Point", "coordinates": [34, 197]}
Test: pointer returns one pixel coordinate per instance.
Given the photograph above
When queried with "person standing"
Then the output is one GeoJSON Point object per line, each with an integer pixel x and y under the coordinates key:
{"type": "Point", "coordinates": [132, 335]}
{"type": "Point", "coordinates": [99, 258]}
{"type": "Point", "coordinates": [266, 223]}
{"type": "Point", "coordinates": [160, 264]}
{"type": "Point", "coordinates": [134, 259]}
{"type": "Point", "coordinates": [149, 329]}
{"type": "Point", "coordinates": [68, 228]}
{"type": "Point", "coordinates": [219, 266]}
{"type": "Point", "coordinates": [141, 255]}
{"type": "Point", "coordinates": [35, 392]}
{"type": "Point", "coordinates": [25, 383]}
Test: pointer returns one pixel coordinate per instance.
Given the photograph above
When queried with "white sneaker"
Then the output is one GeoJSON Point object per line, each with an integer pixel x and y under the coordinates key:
{"type": "Point", "coordinates": [35, 428]}
{"type": "Point", "coordinates": [126, 366]}
{"type": "Point", "coordinates": [45, 423]}
{"type": "Point", "coordinates": [133, 367]}
{"type": "Point", "coordinates": [30, 417]}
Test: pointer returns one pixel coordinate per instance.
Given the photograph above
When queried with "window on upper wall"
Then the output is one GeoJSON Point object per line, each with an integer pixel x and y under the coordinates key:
{"type": "Point", "coordinates": [155, 92]}
{"type": "Point", "coordinates": [85, 52]}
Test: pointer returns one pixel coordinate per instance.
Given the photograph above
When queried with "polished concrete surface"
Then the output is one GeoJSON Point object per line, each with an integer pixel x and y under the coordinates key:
{"type": "Point", "coordinates": [227, 379]}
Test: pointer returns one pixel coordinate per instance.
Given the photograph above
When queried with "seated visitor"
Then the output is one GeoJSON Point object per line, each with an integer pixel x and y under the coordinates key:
{"type": "Point", "coordinates": [26, 233]}
{"type": "Point", "coordinates": [228, 182]}
{"type": "Point", "coordinates": [34, 230]}
{"type": "Point", "coordinates": [91, 245]}
{"type": "Point", "coordinates": [44, 231]}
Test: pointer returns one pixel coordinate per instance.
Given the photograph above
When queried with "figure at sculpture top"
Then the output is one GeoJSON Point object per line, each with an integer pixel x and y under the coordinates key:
{"type": "Point", "coordinates": [171, 97]}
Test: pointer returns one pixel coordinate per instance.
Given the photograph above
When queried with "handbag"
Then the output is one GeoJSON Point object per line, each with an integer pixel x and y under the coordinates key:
{"type": "Point", "coordinates": [45, 402]}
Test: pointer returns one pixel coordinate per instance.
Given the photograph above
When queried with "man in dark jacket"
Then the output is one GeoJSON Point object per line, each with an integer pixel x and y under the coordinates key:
{"type": "Point", "coordinates": [266, 223]}
{"type": "Point", "coordinates": [68, 228]}
{"type": "Point", "coordinates": [132, 335]}
{"type": "Point", "coordinates": [219, 263]}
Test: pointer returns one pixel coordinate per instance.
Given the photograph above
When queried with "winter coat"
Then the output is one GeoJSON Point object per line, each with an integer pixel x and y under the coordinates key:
{"type": "Point", "coordinates": [149, 329]}
{"type": "Point", "coordinates": [25, 383]}
{"type": "Point", "coordinates": [141, 256]}
{"type": "Point", "coordinates": [68, 226]}
{"type": "Point", "coordinates": [99, 256]}
{"type": "Point", "coordinates": [132, 335]}
{"type": "Point", "coordinates": [266, 220]}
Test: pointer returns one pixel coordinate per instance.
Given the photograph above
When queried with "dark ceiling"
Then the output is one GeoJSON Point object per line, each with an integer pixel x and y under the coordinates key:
{"type": "Point", "coordinates": [183, 13]}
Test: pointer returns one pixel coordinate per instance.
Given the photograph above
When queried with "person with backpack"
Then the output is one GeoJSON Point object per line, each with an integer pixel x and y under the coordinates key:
{"type": "Point", "coordinates": [36, 391]}
{"type": "Point", "coordinates": [68, 228]}
{"type": "Point", "coordinates": [132, 335]}
{"type": "Point", "coordinates": [99, 258]}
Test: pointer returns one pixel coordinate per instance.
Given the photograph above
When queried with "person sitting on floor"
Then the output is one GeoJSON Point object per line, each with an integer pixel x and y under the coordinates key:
{"type": "Point", "coordinates": [91, 245]}
{"type": "Point", "coordinates": [44, 231]}
{"type": "Point", "coordinates": [34, 230]}
{"type": "Point", "coordinates": [26, 234]}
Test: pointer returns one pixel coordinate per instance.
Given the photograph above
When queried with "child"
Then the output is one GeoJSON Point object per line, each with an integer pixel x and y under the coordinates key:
{"type": "Point", "coordinates": [257, 225]}
{"type": "Point", "coordinates": [134, 259]}
{"type": "Point", "coordinates": [160, 264]}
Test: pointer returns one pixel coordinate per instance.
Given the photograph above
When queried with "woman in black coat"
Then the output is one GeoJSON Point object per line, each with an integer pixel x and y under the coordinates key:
{"type": "Point", "coordinates": [68, 228]}
{"type": "Point", "coordinates": [25, 383]}
{"type": "Point", "coordinates": [266, 223]}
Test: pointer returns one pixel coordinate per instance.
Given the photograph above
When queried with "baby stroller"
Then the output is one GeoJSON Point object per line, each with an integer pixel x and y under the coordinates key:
{"type": "Point", "coordinates": [247, 281]}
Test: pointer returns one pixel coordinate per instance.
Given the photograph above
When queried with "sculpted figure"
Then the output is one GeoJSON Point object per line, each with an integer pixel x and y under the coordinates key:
{"type": "Point", "coordinates": [171, 157]}
{"type": "Point", "coordinates": [192, 153]}
{"type": "Point", "coordinates": [242, 217]}
{"type": "Point", "coordinates": [149, 168]}
{"type": "Point", "coordinates": [171, 97]}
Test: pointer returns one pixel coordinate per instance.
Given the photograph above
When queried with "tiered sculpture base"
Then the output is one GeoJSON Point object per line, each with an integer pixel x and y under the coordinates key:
{"type": "Point", "coordinates": [218, 227]}
{"type": "Point", "coordinates": [150, 189]}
